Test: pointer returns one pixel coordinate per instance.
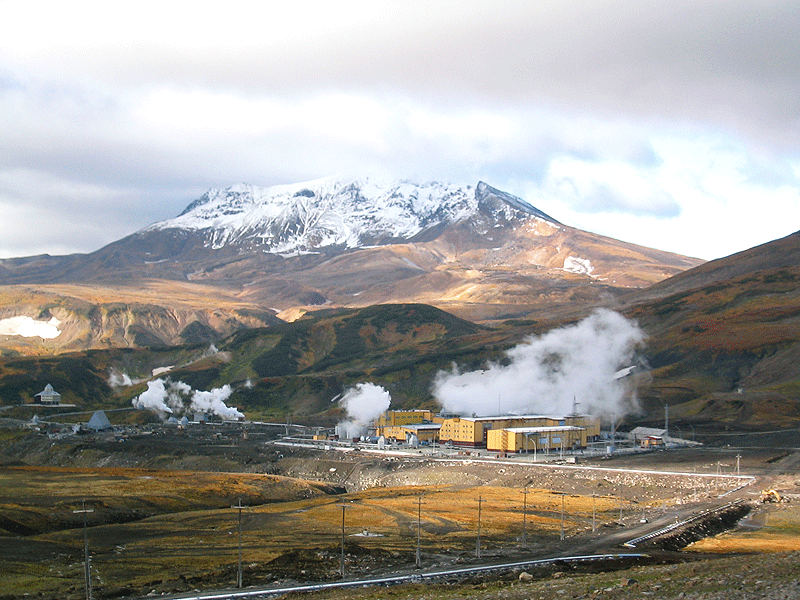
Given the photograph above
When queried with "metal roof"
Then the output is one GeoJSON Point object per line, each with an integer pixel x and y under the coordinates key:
{"type": "Point", "coordinates": [552, 429]}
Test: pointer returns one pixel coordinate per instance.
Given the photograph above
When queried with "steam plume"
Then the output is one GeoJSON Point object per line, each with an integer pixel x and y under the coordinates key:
{"type": "Point", "coordinates": [364, 403]}
{"type": "Point", "coordinates": [214, 401]}
{"type": "Point", "coordinates": [168, 397]}
{"type": "Point", "coordinates": [546, 373]}
{"type": "Point", "coordinates": [154, 398]}
{"type": "Point", "coordinates": [119, 379]}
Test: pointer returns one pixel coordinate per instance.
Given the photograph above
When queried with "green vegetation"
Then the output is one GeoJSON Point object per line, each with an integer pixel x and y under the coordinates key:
{"type": "Point", "coordinates": [290, 370]}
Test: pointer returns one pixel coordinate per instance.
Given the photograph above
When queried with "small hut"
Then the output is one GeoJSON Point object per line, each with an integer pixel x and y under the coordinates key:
{"type": "Point", "coordinates": [648, 437]}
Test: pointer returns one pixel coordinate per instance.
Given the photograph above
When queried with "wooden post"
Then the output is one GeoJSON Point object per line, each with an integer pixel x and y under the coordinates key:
{"type": "Point", "coordinates": [419, 528]}
{"type": "Point", "coordinates": [87, 568]}
{"type": "Point", "coordinates": [525, 517]}
{"type": "Point", "coordinates": [239, 507]}
{"type": "Point", "coordinates": [341, 562]}
{"type": "Point", "coordinates": [478, 541]}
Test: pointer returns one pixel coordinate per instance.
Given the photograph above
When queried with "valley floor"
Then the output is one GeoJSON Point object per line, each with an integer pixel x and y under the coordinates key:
{"type": "Point", "coordinates": [163, 520]}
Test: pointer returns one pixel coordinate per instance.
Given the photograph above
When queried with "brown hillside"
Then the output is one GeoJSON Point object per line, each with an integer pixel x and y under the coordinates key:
{"type": "Point", "coordinates": [724, 338]}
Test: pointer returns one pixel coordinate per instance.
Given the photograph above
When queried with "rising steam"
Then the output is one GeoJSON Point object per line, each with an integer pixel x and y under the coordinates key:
{"type": "Point", "coordinates": [546, 374]}
{"type": "Point", "coordinates": [364, 403]}
{"type": "Point", "coordinates": [164, 396]}
{"type": "Point", "coordinates": [119, 378]}
{"type": "Point", "coordinates": [214, 402]}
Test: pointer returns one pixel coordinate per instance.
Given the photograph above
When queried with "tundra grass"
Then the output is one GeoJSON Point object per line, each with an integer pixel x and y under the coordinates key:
{"type": "Point", "coordinates": [190, 545]}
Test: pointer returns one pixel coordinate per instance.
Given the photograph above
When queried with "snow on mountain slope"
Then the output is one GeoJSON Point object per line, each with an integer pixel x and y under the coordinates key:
{"type": "Point", "coordinates": [308, 216]}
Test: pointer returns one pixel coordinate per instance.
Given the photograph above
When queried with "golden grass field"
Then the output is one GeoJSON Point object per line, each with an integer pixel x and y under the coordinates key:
{"type": "Point", "coordinates": [184, 538]}
{"type": "Point", "coordinates": [167, 531]}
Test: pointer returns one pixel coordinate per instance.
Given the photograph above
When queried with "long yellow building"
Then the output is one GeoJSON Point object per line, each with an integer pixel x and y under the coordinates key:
{"type": "Point", "coordinates": [476, 431]}
{"type": "Point", "coordinates": [425, 432]}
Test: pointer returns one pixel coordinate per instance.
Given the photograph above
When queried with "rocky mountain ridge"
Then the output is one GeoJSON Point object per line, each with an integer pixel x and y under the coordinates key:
{"type": "Point", "coordinates": [307, 217]}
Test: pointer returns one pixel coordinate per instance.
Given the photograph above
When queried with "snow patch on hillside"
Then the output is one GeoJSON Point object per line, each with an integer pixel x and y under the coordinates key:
{"type": "Point", "coordinates": [581, 266]}
{"type": "Point", "coordinates": [29, 327]}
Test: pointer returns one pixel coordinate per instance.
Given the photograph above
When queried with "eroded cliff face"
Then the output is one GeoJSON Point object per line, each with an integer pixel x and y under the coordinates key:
{"type": "Point", "coordinates": [50, 319]}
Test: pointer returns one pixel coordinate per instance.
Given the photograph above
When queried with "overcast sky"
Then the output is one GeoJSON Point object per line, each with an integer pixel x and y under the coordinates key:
{"type": "Point", "coordinates": [672, 124]}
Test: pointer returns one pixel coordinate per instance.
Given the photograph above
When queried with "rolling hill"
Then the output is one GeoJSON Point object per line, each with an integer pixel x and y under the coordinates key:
{"type": "Point", "coordinates": [724, 339]}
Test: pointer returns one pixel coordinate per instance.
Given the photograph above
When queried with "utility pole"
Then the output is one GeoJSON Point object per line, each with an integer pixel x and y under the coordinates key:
{"type": "Point", "coordinates": [87, 568]}
{"type": "Point", "coordinates": [738, 458]}
{"type": "Point", "coordinates": [525, 517]}
{"type": "Point", "coordinates": [341, 562]}
{"type": "Point", "coordinates": [613, 431]}
{"type": "Point", "coordinates": [562, 516]}
{"type": "Point", "coordinates": [239, 507]}
{"type": "Point", "coordinates": [666, 420]}
{"type": "Point", "coordinates": [594, 514]}
{"type": "Point", "coordinates": [478, 542]}
{"type": "Point", "coordinates": [419, 527]}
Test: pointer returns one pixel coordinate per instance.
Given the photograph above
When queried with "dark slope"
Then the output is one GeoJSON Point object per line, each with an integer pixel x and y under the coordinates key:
{"type": "Point", "coordinates": [772, 256]}
{"type": "Point", "coordinates": [724, 339]}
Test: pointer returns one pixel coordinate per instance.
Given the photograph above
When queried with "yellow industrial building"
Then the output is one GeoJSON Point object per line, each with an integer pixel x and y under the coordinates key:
{"type": "Point", "coordinates": [573, 431]}
{"type": "Point", "coordinates": [536, 439]}
{"type": "Point", "coordinates": [400, 424]}
{"type": "Point", "coordinates": [393, 418]}
{"type": "Point", "coordinates": [425, 432]}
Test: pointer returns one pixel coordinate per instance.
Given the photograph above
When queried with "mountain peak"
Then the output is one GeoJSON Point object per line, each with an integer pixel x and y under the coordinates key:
{"type": "Point", "coordinates": [309, 216]}
{"type": "Point", "coordinates": [485, 193]}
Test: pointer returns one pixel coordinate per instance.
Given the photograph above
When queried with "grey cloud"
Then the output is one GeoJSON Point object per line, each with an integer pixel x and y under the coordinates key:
{"type": "Point", "coordinates": [590, 80]}
{"type": "Point", "coordinates": [590, 197]}
{"type": "Point", "coordinates": [730, 63]}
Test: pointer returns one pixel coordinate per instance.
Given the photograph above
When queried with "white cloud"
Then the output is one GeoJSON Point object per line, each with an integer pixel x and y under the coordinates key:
{"type": "Point", "coordinates": [699, 198]}
{"type": "Point", "coordinates": [608, 186]}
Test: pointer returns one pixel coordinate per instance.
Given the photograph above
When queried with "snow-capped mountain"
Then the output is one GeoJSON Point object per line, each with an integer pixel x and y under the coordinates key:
{"type": "Point", "coordinates": [239, 256]}
{"type": "Point", "coordinates": [306, 217]}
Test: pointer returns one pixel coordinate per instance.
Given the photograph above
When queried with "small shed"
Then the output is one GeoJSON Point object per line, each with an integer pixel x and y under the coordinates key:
{"type": "Point", "coordinates": [647, 437]}
{"type": "Point", "coordinates": [48, 396]}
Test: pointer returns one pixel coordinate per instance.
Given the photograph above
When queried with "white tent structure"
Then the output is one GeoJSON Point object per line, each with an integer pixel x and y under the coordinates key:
{"type": "Point", "coordinates": [99, 421]}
